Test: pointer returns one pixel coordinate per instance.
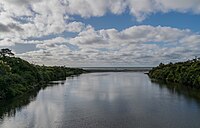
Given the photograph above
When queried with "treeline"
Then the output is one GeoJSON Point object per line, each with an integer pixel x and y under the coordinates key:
{"type": "Point", "coordinates": [18, 76]}
{"type": "Point", "coordinates": [185, 73]}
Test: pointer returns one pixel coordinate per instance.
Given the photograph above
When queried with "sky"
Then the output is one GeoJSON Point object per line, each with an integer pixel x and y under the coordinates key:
{"type": "Point", "coordinates": [98, 33]}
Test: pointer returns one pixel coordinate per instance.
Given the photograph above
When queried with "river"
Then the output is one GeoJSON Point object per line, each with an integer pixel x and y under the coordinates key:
{"type": "Point", "coordinates": [103, 100]}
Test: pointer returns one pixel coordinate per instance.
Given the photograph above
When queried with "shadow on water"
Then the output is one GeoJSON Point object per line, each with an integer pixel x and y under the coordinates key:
{"type": "Point", "coordinates": [10, 107]}
{"type": "Point", "coordinates": [181, 90]}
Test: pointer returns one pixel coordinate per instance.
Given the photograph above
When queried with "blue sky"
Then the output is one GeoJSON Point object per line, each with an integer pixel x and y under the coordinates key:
{"type": "Point", "coordinates": [125, 20]}
{"type": "Point", "coordinates": [101, 33]}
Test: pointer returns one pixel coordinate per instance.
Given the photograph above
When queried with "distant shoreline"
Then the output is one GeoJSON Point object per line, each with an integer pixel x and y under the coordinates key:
{"type": "Point", "coordinates": [116, 69]}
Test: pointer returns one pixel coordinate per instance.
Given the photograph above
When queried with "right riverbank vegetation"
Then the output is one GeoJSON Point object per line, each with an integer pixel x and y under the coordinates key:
{"type": "Point", "coordinates": [185, 73]}
{"type": "Point", "coordinates": [18, 76]}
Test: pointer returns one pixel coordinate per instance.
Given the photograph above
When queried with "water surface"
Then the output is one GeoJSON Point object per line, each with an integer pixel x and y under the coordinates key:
{"type": "Point", "coordinates": [103, 100]}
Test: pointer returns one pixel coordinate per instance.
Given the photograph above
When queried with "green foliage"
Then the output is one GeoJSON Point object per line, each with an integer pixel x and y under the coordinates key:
{"type": "Point", "coordinates": [186, 73]}
{"type": "Point", "coordinates": [6, 51]}
{"type": "Point", "coordinates": [4, 68]}
{"type": "Point", "coordinates": [17, 76]}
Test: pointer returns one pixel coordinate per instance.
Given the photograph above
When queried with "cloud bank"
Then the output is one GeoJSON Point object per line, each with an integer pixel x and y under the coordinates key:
{"type": "Point", "coordinates": [47, 23]}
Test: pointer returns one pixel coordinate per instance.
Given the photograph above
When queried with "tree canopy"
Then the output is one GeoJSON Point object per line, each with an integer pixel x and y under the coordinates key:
{"type": "Point", "coordinates": [18, 76]}
{"type": "Point", "coordinates": [6, 51]}
{"type": "Point", "coordinates": [185, 73]}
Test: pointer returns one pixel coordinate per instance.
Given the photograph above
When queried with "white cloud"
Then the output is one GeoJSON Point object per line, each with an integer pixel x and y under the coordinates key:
{"type": "Point", "coordinates": [135, 45]}
{"type": "Point", "coordinates": [40, 18]}
{"type": "Point", "coordinates": [6, 42]}
{"type": "Point", "coordinates": [141, 9]}
{"type": "Point", "coordinates": [135, 34]}
{"type": "Point", "coordinates": [45, 44]}
{"type": "Point", "coordinates": [138, 8]}
{"type": "Point", "coordinates": [37, 18]}
{"type": "Point", "coordinates": [25, 21]}
{"type": "Point", "coordinates": [75, 26]}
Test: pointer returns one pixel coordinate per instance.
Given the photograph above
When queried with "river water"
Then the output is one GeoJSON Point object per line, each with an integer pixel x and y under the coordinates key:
{"type": "Point", "coordinates": [103, 100]}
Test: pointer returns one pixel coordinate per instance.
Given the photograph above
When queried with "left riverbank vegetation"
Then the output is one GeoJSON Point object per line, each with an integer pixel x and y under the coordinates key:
{"type": "Point", "coordinates": [18, 76]}
{"type": "Point", "coordinates": [184, 73]}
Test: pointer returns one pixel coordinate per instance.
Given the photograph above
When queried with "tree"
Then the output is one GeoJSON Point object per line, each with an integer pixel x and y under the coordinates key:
{"type": "Point", "coordinates": [6, 51]}
{"type": "Point", "coordinates": [4, 68]}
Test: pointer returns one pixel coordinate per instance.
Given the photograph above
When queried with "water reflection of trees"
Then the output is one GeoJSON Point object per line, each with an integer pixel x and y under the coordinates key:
{"type": "Point", "coordinates": [9, 107]}
{"type": "Point", "coordinates": [179, 89]}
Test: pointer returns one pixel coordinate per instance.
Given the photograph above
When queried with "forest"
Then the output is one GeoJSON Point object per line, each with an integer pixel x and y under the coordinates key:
{"type": "Point", "coordinates": [18, 76]}
{"type": "Point", "coordinates": [185, 73]}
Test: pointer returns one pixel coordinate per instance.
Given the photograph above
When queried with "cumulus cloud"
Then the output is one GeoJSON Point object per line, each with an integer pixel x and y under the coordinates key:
{"type": "Point", "coordinates": [5, 42]}
{"type": "Point", "coordinates": [44, 22]}
{"type": "Point", "coordinates": [135, 45]}
{"type": "Point", "coordinates": [41, 17]}
{"type": "Point", "coordinates": [21, 2]}
{"type": "Point", "coordinates": [138, 8]}
{"type": "Point", "coordinates": [141, 9]}
{"type": "Point", "coordinates": [38, 18]}
{"type": "Point", "coordinates": [75, 26]}
{"type": "Point", "coordinates": [135, 34]}
{"type": "Point", "coordinates": [4, 28]}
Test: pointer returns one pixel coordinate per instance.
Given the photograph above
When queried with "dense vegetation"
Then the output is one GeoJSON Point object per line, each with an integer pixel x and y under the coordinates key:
{"type": "Point", "coordinates": [18, 76]}
{"type": "Point", "coordinates": [185, 73]}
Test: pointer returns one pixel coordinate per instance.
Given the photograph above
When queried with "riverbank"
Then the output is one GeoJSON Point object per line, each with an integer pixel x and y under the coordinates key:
{"type": "Point", "coordinates": [184, 73]}
{"type": "Point", "coordinates": [18, 76]}
{"type": "Point", "coordinates": [103, 100]}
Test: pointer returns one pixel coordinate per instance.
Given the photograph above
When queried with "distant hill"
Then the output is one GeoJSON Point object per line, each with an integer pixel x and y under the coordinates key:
{"type": "Point", "coordinates": [185, 73]}
{"type": "Point", "coordinates": [18, 76]}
